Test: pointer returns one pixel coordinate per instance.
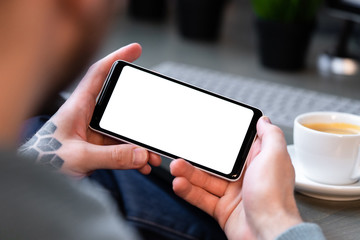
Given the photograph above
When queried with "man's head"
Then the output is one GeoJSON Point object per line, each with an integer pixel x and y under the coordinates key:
{"type": "Point", "coordinates": [84, 24]}
{"type": "Point", "coordinates": [44, 44]}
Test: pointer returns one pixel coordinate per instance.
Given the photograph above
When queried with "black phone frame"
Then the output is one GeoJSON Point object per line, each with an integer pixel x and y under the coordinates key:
{"type": "Point", "coordinates": [106, 93]}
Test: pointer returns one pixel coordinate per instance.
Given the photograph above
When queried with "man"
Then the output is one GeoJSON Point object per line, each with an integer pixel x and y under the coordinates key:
{"type": "Point", "coordinates": [44, 44]}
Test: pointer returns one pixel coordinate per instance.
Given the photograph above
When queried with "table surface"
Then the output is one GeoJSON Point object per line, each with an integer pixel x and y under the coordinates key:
{"type": "Point", "coordinates": [235, 53]}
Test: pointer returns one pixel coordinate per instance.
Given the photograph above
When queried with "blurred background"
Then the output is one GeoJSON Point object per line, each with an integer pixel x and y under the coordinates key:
{"type": "Point", "coordinates": [291, 48]}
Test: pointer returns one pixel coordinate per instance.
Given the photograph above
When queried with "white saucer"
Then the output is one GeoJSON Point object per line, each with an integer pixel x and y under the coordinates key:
{"type": "Point", "coordinates": [314, 189]}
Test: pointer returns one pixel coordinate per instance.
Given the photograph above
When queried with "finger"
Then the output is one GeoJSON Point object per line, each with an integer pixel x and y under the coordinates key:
{"type": "Point", "coordinates": [154, 159]}
{"type": "Point", "coordinates": [254, 151]}
{"type": "Point", "coordinates": [271, 136]}
{"type": "Point", "coordinates": [145, 170]}
{"type": "Point", "coordinates": [100, 139]}
{"type": "Point", "coordinates": [90, 86]}
{"type": "Point", "coordinates": [123, 156]}
{"type": "Point", "coordinates": [195, 195]}
{"type": "Point", "coordinates": [273, 144]}
{"type": "Point", "coordinates": [96, 75]}
{"type": "Point", "coordinates": [212, 184]}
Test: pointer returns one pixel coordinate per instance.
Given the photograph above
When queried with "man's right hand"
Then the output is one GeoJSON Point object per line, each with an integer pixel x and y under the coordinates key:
{"type": "Point", "coordinates": [261, 204]}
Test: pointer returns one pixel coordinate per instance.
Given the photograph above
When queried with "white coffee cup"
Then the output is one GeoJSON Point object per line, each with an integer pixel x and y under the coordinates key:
{"type": "Point", "coordinates": [327, 157]}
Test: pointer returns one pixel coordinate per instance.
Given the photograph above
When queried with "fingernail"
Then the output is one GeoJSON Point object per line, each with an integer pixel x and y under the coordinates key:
{"type": "Point", "coordinates": [266, 119]}
{"type": "Point", "coordinates": [139, 156]}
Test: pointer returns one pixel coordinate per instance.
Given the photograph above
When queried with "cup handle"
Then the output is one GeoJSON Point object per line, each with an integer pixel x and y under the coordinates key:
{"type": "Point", "coordinates": [356, 172]}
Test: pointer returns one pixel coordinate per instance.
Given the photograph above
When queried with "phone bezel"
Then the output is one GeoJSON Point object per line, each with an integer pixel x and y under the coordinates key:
{"type": "Point", "coordinates": [106, 93]}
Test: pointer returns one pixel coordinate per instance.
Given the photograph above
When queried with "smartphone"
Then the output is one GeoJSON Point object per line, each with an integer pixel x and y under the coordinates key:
{"type": "Point", "coordinates": [175, 119]}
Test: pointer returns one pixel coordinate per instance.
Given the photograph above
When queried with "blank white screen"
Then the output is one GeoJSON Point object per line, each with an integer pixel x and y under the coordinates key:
{"type": "Point", "coordinates": [176, 119]}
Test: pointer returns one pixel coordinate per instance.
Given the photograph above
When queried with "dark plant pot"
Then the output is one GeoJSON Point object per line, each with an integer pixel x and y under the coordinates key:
{"type": "Point", "coordinates": [283, 46]}
{"type": "Point", "coordinates": [155, 10]}
{"type": "Point", "coordinates": [200, 19]}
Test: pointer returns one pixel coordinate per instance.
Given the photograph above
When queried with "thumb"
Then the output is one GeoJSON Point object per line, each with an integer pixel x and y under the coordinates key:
{"type": "Point", "coordinates": [271, 137]}
{"type": "Point", "coordinates": [123, 156]}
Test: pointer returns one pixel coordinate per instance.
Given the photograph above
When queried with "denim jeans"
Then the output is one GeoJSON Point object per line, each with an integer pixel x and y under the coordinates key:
{"type": "Point", "coordinates": [148, 202]}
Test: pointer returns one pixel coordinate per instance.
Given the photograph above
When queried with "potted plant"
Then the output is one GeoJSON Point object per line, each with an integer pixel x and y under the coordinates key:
{"type": "Point", "coordinates": [284, 29]}
{"type": "Point", "coordinates": [155, 10]}
{"type": "Point", "coordinates": [200, 19]}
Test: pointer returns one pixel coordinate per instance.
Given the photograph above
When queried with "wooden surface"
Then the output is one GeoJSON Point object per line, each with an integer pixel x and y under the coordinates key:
{"type": "Point", "coordinates": [338, 220]}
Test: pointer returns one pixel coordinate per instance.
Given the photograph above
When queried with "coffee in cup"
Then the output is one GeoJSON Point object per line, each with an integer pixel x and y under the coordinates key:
{"type": "Point", "coordinates": [335, 128]}
{"type": "Point", "coordinates": [327, 146]}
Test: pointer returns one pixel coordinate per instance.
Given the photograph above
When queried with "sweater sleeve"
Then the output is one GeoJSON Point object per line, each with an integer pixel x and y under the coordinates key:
{"type": "Point", "coordinates": [308, 231]}
{"type": "Point", "coordinates": [36, 203]}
